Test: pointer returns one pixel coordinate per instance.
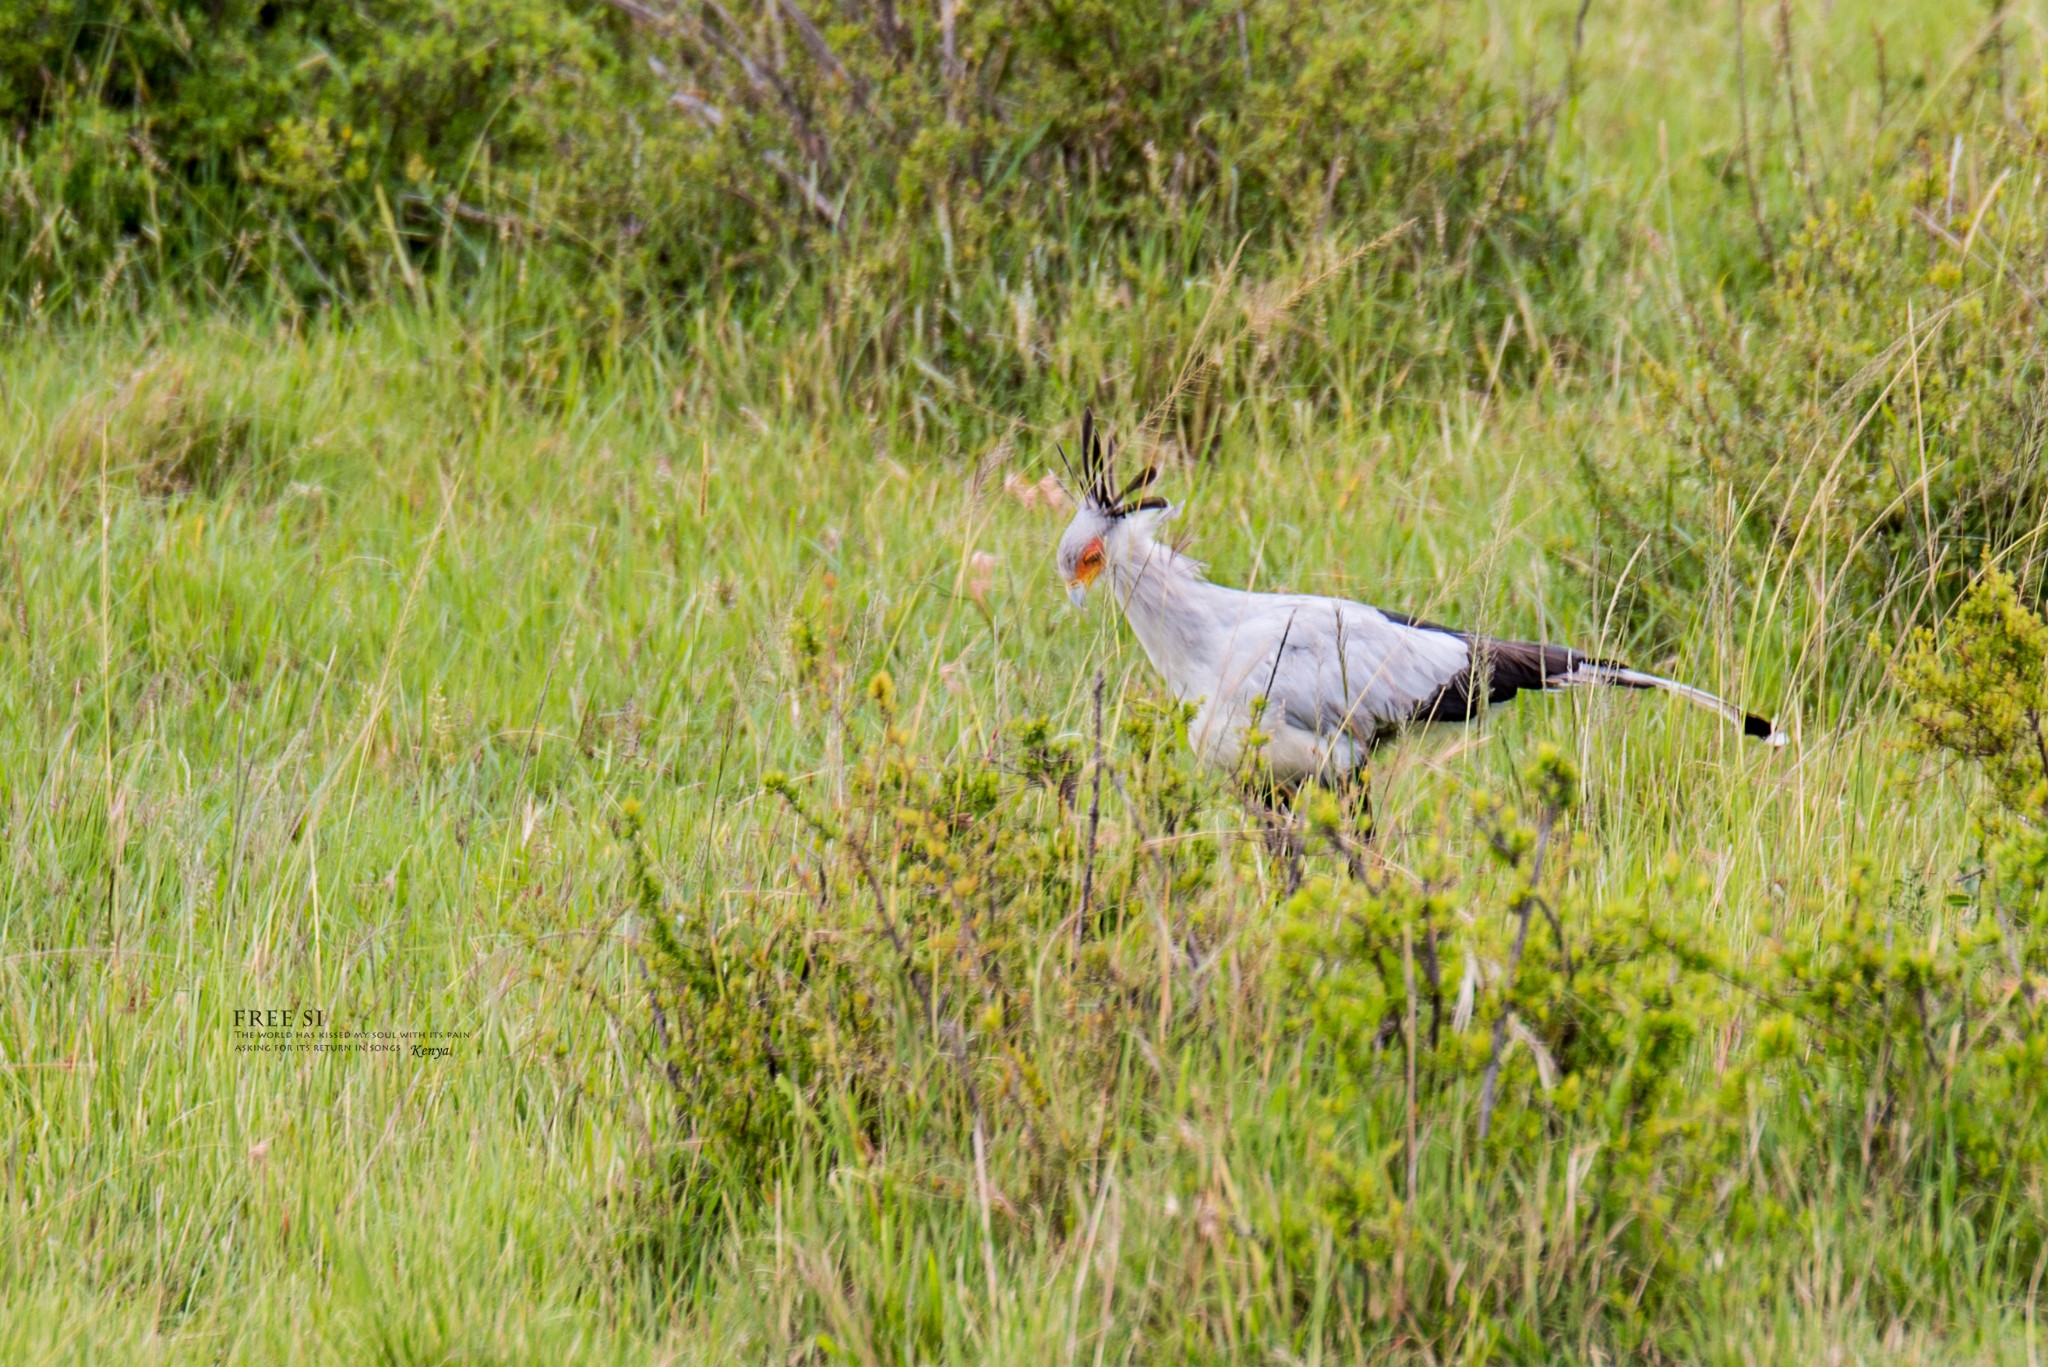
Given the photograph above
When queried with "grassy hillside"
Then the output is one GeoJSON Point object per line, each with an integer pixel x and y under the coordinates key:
{"type": "Point", "coordinates": [687, 718]}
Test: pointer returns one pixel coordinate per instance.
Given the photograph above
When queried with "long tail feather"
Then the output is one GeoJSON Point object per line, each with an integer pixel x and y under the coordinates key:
{"type": "Point", "coordinates": [1616, 676]}
{"type": "Point", "coordinates": [1501, 669]}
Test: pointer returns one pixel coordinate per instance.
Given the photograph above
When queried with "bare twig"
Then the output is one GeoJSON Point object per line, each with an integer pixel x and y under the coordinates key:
{"type": "Point", "coordinates": [988, 1242]}
{"type": "Point", "coordinates": [821, 53]}
{"type": "Point", "coordinates": [1094, 821]}
{"type": "Point", "coordinates": [1489, 1083]}
{"type": "Point", "coordinates": [821, 206]}
{"type": "Point", "coordinates": [1569, 89]}
{"type": "Point", "coordinates": [1354, 856]}
{"type": "Point", "coordinates": [919, 983]}
{"type": "Point", "coordinates": [1967, 250]}
{"type": "Point", "coordinates": [1138, 822]}
{"type": "Point", "coordinates": [1408, 984]}
{"type": "Point", "coordinates": [453, 207]}
{"type": "Point", "coordinates": [705, 112]}
{"type": "Point", "coordinates": [1564, 950]}
{"type": "Point", "coordinates": [732, 46]}
{"type": "Point", "coordinates": [639, 13]}
{"type": "Point", "coordinates": [1756, 202]}
{"type": "Point", "coordinates": [949, 56]}
{"type": "Point", "coordinates": [890, 28]}
{"type": "Point", "coordinates": [1432, 967]}
{"type": "Point", "coordinates": [1787, 65]}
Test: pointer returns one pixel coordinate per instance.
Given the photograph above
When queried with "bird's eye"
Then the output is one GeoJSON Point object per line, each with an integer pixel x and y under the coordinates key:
{"type": "Point", "coordinates": [1092, 555]}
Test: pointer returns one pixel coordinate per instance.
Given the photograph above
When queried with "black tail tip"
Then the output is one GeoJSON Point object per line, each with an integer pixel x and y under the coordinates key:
{"type": "Point", "coordinates": [1760, 728]}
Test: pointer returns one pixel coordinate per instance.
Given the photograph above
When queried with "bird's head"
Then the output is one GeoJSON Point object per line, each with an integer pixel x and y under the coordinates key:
{"type": "Point", "coordinates": [1106, 518]}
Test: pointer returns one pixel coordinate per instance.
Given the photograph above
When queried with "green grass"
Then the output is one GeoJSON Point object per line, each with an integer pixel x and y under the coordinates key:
{"type": "Point", "coordinates": [329, 651]}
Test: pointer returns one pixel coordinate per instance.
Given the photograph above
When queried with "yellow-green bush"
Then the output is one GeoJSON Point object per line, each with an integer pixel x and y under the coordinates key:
{"type": "Point", "coordinates": [282, 146]}
{"type": "Point", "coordinates": [1484, 1067]}
{"type": "Point", "coordinates": [932, 199]}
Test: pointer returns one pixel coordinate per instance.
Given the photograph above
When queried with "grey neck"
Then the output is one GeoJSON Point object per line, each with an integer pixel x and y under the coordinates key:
{"type": "Point", "coordinates": [1169, 604]}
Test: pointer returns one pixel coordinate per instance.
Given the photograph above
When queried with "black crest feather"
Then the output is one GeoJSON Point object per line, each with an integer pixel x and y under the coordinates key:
{"type": "Point", "coordinates": [1095, 474]}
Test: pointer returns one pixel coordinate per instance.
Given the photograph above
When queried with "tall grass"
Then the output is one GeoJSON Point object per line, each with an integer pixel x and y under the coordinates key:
{"type": "Point", "coordinates": [333, 648]}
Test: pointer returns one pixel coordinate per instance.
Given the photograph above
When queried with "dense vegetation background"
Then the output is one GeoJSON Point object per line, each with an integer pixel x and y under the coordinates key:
{"type": "Point", "coordinates": [531, 519]}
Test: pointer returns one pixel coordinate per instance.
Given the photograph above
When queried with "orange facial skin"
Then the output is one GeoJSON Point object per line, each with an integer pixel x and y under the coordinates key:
{"type": "Point", "coordinates": [1090, 564]}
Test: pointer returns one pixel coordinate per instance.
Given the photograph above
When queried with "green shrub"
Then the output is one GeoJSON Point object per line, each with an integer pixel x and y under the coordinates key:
{"type": "Point", "coordinates": [944, 217]}
{"type": "Point", "coordinates": [290, 146]}
{"type": "Point", "coordinates": [1510, 1111]}
{"type": "Point", "coordinates": [1513, 1076]}
{"type": "Point", "coordinates": [1917, 1049]}
{"type": "Point", "coordinates": [1980, 690]}
{"type": "Point", "coordinates": [980, 191]}
{"type": "Point", "coordinates": [1512, 1033]}
{"type": "Point", "coordinates": [900, 1015]}
{"type": "Point", "coordinates": [1055, 127]}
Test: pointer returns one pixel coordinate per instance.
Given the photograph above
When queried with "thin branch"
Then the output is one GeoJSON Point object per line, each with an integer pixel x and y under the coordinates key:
{"type": "Point", "coordinates": [639, 13]}
{"type": "Point", "coordinates": [1094, 821]}
{"type": "Point", "coordinates": [1792, 100]}
{"type": "Point", "coordinates": [1967, 250]}
{"type": "Point", "coordinates": [1569, 89]}
{"type": "Point", "coordinates": [954, 70]}
{"type": "Point", "coordinates": [1489, 1084]}
{"type": "Point", "coordinates": [1756, 203]}
{"type": "Point", "coordinates": [1408, 985]}
{"type": "Point", "coordinates": [731, 45]}
{"type": "Point", "coordinates": [821, 53]}
{"type": "Point", "coordinates": [891, 28]}
{"type": "Point", "coordinates": [808, 192]}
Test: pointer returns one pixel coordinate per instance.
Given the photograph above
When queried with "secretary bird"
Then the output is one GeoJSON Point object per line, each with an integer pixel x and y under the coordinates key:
{"type": "Point", "coordinates": [1325, 680]}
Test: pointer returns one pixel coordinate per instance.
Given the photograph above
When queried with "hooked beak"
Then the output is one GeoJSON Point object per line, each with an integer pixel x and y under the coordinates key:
{"type": "Point", "coordinates": [1077, 593]}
